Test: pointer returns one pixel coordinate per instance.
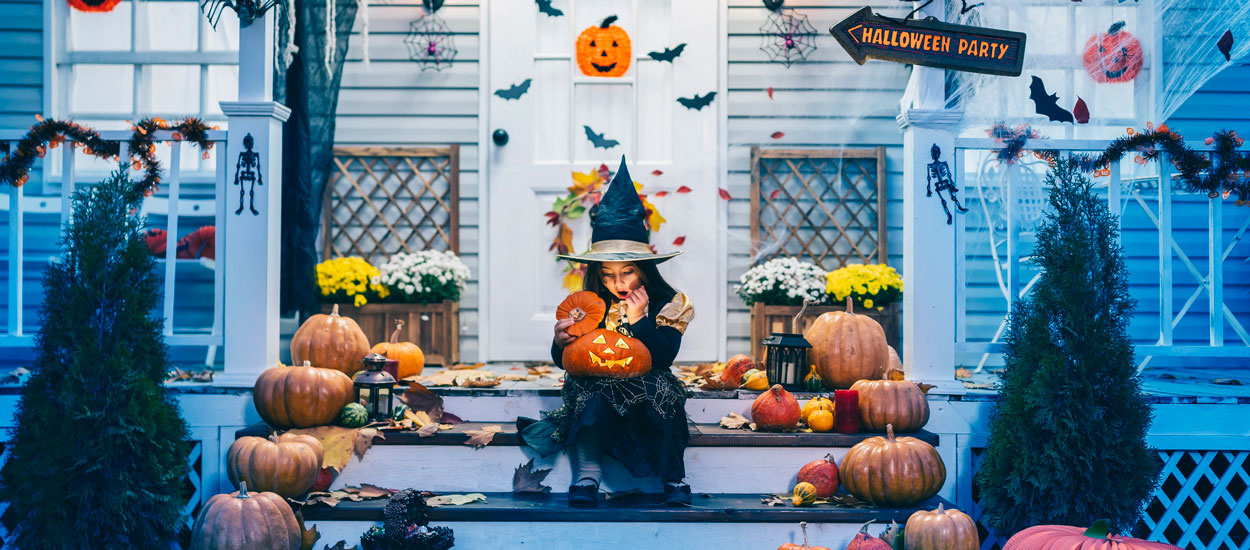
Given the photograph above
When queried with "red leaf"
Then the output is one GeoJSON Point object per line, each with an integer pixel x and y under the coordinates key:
{"type": "Point", "coordinates": [1081, 111]}
{"type": "Point", "coordinates": [679, 241]}
{"type": "Point", "coordinates": [683, 189]}
{"type": "Point", "coordinates": [724, 194]}
{"type": "Point", "coordinates": [778, 135]}
{"type": "Point", "coordinates": [552, 218]}
{"type": "Point", "coordinates": [659, 194]}
{"type": "Point", "coordinates": [604, 172]}
{"type": "Point", "coordinates": [657, 173]}
{"type": "Point", "coordinates": [770, 92]}
{"type": "Point", "coordinates": [771, 196]}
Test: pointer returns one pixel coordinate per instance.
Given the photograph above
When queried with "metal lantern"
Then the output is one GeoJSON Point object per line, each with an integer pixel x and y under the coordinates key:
{"type": "Point", "coordinates": [374, 387]}
{"type": "Point", "coordinates": [785, 356]}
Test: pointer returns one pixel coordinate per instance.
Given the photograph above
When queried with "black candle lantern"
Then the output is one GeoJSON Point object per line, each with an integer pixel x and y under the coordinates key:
{"type": "Point", "coordinates": [374, 387]}
{"type": "Point", "coordinates": [785, 357]}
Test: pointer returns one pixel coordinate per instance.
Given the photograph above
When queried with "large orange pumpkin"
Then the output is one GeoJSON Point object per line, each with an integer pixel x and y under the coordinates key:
{"type": "Point", "coordinates": [891, 400]}
{"type": "Point", "coordinates": [286, 464]}
{"type": "Point", "coordinates": [606, 353]}
{"type": "Point", "coordinates": [889, 471]}
{"type": "Point", "coordinates": [1041, 537]}
{"type": "Point", "coordinates": [411, 358]}
{"type": "Point", "coordinates": [585, 308]}
{"type": "Point", "coordinates": [246, 521]}
{"type": "Point", "coordinates": [301, 397]}
{"type": "Point", "coordinates": [775, 410]}
{"type": "Point", "coordinates": [941, 529]}
{"type": "Point", "coordinates": [604, 50]}
{"type": "Point", "coordinates": [330, 342]}
{"type": "Point", "coordinates": [1115, 56]}
{"type": "Point", "coordinates": [846, 347]}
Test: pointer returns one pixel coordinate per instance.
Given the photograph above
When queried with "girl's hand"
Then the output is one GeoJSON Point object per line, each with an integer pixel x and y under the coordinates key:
{"type": "Point", "coordinates": [563, 338]}
{"type": "Point", "coordinates": [636, 304]}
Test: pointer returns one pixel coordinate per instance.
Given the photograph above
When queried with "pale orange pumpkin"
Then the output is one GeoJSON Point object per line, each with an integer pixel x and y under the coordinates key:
{"type": "Point", "coordinates": [411, 358]}
{"type": "Point", "coordinates": [286, 464]}
{"type": "Point", "coordinates": [330, 342]}
{"type": "Point", "coordinates": [890, 471]}
{"type": "Point", "coordinates": [846, 347]}
{"type": "Point", "coordinates": [941, 529]}
{"type": "Point", "coordinates": [604, 50]}
{"type": "Point", "coordinates": [606, 353]}
{"type": "Point", "coordinates": [246, 521]}
{"type": "Point", "coordinates": [793, 546]}
{"type": "Point", "coordinates": [891, 400]}
{"type": "Point", "coordinates": [301, 397]}
{"type": "Point", "coordinates": [1096, 537]}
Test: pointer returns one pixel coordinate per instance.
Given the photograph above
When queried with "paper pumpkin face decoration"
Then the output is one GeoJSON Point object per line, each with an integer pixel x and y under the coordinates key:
{"type": "Point", "coordinates": [604, 50]}
{"type": "Point", "coordinates": [608, 354]}
{"type": "Point", "coordinates": [1114, 56]}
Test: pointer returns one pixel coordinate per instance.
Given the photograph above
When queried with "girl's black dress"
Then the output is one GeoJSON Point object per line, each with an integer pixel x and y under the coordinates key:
{"type": "Point", "coordinates": [641, 421]}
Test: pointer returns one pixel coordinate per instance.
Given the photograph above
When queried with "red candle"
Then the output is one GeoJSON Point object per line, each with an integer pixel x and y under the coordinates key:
{"type": "Point", "coordinates": [392, 367]}
{"type": "Point", "coordinates": [846, 411]}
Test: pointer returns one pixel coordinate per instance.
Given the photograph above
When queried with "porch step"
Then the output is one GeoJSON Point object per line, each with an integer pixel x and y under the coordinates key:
{"type": "Point", "coordinates": [713, 521]}
{"type": "Point", "coordinates": [717, 461]}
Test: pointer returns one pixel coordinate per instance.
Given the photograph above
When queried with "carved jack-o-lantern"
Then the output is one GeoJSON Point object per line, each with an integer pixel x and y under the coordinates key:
{"type": "Point", "coordinates": [1113, 57]}
{"type": "Point", "coordinates": [604, 50]}
{"type": "Point", "coordinates": [608, 354]}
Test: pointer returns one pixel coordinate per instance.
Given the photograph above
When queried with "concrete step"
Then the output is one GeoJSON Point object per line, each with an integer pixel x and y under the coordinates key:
{"type": "Point", "coordinates": [717, 461]}
{"type": "Point", "coordinates": [713, 521]}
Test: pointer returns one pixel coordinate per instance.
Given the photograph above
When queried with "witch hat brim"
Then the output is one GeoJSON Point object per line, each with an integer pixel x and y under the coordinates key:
{"type": "Point", "coordinates": [618, 229]}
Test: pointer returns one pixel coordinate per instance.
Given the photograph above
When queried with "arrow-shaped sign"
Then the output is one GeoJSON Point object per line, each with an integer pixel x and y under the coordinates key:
{"type": "Point", "coordinates": [931, 43]}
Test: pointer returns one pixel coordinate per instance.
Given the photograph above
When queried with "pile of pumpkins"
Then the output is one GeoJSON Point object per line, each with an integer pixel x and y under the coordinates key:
{"type": "Point", "coordinates": [886, 471]}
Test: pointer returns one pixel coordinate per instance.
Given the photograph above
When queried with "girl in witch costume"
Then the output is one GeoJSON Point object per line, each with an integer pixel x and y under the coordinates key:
{"type": "Point", "coordinates": [640, 421]}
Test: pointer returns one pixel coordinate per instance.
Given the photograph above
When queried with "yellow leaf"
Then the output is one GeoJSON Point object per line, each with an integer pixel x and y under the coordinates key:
{"type": "Point", "coordinates": [420, 418]}
{"type": "Point", "coordinates": [583, 182]}
{"type": "Point", "coordinates": [337, 442]}
{"type": "Point", "coordinates": [655, 220]}
{"type": "Point", "coordinates": [455, 500]}
{"type": "Point", "coordinates": [364, 440]}
{"type": "Point", "coordinates": [572, 281]}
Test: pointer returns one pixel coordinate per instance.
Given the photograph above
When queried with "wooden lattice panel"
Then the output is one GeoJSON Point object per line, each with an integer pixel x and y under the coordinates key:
{"type": "Point", "coordinates": [827, 206]}
{"type": "Point", "coordinates": [385, 200]}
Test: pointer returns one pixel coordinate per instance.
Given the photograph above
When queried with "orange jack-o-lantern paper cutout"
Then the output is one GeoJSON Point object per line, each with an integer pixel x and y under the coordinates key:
{"type": "Point", "coordinates": [604, 50]}
{"type": "Point", "coordinates": [1114, 56]}
{"type": "Point", "coordinates": [94, 5]}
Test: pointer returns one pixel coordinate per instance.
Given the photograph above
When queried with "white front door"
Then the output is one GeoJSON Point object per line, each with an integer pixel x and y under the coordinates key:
{"type": "Point", "coordinates": [547, 141]}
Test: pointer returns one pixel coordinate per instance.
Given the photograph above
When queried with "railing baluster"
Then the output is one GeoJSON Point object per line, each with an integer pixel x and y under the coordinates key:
{"type": "Point", "coordinates": [67, 184]}
{"type": "Point", "coordinates": [1215, 266]}
{"type": "Point", "coordinates": [219, 295]}
{"type": "Point", "coordinates": [171, 235]}
{"type": "Point", "coordinates": [1165, 250]}
{"type": "Point", "coordinates": [16, 258]}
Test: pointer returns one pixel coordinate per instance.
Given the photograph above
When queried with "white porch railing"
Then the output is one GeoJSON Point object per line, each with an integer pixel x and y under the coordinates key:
{"type": "Point", "coordinates": [1008, 271]}
{"type": "Point", "coordinates": [173, 205]}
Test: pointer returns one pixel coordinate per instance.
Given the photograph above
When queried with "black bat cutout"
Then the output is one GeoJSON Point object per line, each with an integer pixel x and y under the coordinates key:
{"type": "Point", "coordinates": [698, 102]}
{"type": "Point", "coordinates": [669, 54]}
{"type": "Point", "coordinates": [598, 140]}
{"type": "Point", "coordinates": [1048, 103]}
{"type": "Point", "coordinates": [515, 91]}
{"type": "Point", "coordinates": [1226, 45]}
{"type": "Point", "coordinates": [544, 6]}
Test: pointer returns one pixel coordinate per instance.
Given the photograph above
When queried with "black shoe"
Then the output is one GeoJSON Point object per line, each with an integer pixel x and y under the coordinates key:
{"type": "Point", "coordinates": [676, 494]}
{"type": "Point", "coordinates": [584, 495]}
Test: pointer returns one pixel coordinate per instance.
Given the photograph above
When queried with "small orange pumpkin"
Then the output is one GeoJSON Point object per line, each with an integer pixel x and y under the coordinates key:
{"type": "Point", "coordinates": [604, 50]}
{"type": "Point", "coordinates": [411, 358]}
{"type": "Point", "coordinates": [585, 308]}
{"type": "Point", "coordinates": [793, 546]}
{"type": "Point", "coordinates": [820, 421]}
{"type": "Point", "coordinates": [606, 353]}
{"type": "Point", "coordinates": [330, 342]}
{"type": "Point", "coordinates": [941, 529]}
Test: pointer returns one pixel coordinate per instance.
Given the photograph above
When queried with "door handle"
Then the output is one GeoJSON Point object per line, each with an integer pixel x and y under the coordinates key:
{"type": "Point", "coordinates": [500, 137]}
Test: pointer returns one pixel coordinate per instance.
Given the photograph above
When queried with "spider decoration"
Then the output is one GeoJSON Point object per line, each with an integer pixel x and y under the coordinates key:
{"type": "Point", "coordinates": [429, 39]}
{"type": "Point", "coordinates": [787, 37]}
{"type": "Point", "coordinates": [248, 10]}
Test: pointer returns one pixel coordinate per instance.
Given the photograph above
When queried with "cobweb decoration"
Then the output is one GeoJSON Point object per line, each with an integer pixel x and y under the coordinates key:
{"type": "Point", "coordinates": [430, 42]}
{"type": "Point", "coordinates": [787, 37]}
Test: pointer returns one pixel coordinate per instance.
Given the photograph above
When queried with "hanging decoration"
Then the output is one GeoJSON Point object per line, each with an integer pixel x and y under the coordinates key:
{"type": "Point", "coordinates": [50, 133]}
{"type": "Point", "coordinates": [1225, 44]}
{"type": "Point", "coordinates": [604, 50]}
{"type": "Point", "coordinates": [429, 39]}
{"type": "Point", "coordinates": [1114, 56]}
{"type": "Point", "coordinates": [938, 175]}
{"type": "Point", "coordinates": [698, 102]}
{"type": "Point", "coordinates": [1222, 171]}
{"type": "Point", "coordinates": [669, 54]}
{"type": "Point", "coordinates": [96, 6]}
{"type": "Point", "coordinates": [544, 7]}
{"type": "Point", "coordinates": [247, 10]}
{"type": "Point", "coordinates": [331, 35]}
{"type": "Point", "coordinates": [362, 7]}
{"type": "Point", "coordinates": [1047, 103]}
{"type": "Point", "coordinates": [247, 175]}
{"type": "Point", "coordinates": [787, 37]}
{"type": "Point", "coordinates": [515, 91]}
{"type": "Point", "coordinates": [1014, 141]}
{"type": "Point", "coordinates": [931, 43]}
{"type": "Point", "coordinates": [598, 140]}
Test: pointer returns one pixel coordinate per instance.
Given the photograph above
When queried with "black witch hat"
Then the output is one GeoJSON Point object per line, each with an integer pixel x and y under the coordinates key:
{"type": "Point", "coordinates": [617, 229]}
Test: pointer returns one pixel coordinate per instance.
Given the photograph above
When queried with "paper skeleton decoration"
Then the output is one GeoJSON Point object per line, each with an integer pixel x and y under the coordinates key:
{"type": "Point", "coordinates": [938, 178]}
{"type": "Point", "coordinates": [247, 175]}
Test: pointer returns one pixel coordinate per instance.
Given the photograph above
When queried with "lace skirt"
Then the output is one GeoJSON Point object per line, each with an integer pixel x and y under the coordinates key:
{"type": "Point", "coordinates": [641, 421]}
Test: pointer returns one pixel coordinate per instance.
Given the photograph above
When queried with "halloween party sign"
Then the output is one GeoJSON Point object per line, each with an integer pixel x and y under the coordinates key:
{"type": "Point", "coordinates": [931, 43]}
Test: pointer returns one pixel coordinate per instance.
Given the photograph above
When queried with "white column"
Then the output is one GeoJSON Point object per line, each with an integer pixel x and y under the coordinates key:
{"type": "Point", "coordinates": [252, 254]}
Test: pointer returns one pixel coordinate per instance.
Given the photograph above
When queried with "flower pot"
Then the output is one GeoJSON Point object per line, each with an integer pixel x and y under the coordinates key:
{"type": "Point", "coordinates": [767, 319]}
{"type": "Point", "coordinates": [435, 328]}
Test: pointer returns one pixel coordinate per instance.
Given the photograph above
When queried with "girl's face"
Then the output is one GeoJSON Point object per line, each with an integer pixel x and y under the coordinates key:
{"type": "Point", "coordinates": [620, 278]}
